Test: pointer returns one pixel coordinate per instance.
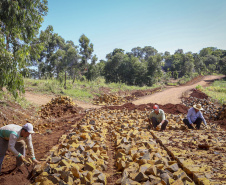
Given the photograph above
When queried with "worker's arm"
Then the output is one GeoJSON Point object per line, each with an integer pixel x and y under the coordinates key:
{"type": "Point", "coordinates": [31, 149]}
{"type": "Point", "coordinates": [201, 116]}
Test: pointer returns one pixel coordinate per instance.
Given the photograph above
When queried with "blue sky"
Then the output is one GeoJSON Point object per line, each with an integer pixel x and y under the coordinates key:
{"type": "Point", "coordinates": [166, 25]}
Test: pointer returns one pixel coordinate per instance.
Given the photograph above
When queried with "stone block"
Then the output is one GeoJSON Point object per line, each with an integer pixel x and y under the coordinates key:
{"type": "Point", "coordinates": [102, 178]}
{"type": "Point", "coordinates": [90, 166]}
{"type": "Point", "coordinates": [173, 168]}
{"type": "Point", "coordinates": [141, 177]}
{"type": "Point", "coordinates": [152, 170]}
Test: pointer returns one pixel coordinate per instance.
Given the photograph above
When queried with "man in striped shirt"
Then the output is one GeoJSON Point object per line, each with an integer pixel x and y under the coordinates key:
{"type": "Point", "coordinates": [14, 137]}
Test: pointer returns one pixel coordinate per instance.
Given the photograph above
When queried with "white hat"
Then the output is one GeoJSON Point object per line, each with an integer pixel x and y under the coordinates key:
{"type": "Point", "coordinates": [29, 127]}
{"type": "Point", "coordinates": [198, 106]}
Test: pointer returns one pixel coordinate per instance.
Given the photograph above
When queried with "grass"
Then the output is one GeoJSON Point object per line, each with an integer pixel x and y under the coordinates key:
{"type": "Point", "coordinates": [216, 91]}
{"type": "Point", "coordinates": [81, 90]}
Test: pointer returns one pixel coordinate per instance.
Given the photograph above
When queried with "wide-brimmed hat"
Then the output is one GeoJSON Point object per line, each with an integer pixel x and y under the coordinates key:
{"type": "Point", "coordinates": [29, 128]}
{"type": "Point", "coordinates": [198, 106]}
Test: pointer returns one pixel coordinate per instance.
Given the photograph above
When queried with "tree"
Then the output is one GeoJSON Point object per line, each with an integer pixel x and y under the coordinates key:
{"type": "Point", "coordinates": [154, 69]}
{"type": "Point", "coordinates": [86, 49]}
{"type": "Point", "coordinates": [149, 51]}
{"type": "Point", "coordinates": [211, 62]}
{"type": "Point", "coordinates": [198, 63]}
{"type": "Point", "coordinates": [20, 22]}
{"type": "Point", "coordinates": [179, 51]}
{"type": "Point", "coordinates": [188, 65]}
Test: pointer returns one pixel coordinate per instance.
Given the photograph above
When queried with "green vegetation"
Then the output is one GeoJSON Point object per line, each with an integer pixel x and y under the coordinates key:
{"type": "Point", "coordinates": [26, 53]}
{"type": "Point", "coordinates": [81, 90]}
{"type": "Point", "coordinates": [216, 91]}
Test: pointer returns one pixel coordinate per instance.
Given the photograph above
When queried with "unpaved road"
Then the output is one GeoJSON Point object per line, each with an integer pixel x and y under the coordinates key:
{"type": "Point", "coordinates": [170, 95]}
{"type": "Point", "coordinates": [173, 94]}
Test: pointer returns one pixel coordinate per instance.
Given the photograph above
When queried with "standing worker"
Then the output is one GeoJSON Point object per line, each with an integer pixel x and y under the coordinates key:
{"type": "Point", "coordinates": [157, 119]}
{"type": "Point", "coordinates": [12, 137]}
{"type": "Point", "coordinates": [194, 116]}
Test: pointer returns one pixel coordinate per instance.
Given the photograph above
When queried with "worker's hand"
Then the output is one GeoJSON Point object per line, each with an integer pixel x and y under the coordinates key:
{"type": "Point", "coordinates": [22, 158]}
{"type": "Point", "coordinates": [158, 127]}
{"type": "Point", "coordinates": [36, 161]}
{"type": "Point", "coordinates": [192, 125]}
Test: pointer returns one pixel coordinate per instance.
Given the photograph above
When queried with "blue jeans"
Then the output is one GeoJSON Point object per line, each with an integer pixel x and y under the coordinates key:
{"type": "Point", "coordinates": [19, 146]}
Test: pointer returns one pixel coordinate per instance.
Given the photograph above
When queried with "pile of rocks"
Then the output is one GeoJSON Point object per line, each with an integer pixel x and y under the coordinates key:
{"type": "Point", "coordinates": [106, 99]}
{"type": "Point", "coordinates": [140, 159]}
{"type": "Point", "coordinates": [201, 153]}
{"type": "Point", "coordinates": [80, 158]}
{"type": "Point", "coordinates": [176, 122]}
{"type": "Point", "coordinates": [221, 113]}
{"type": "Point", "coordinates": [57, 106]}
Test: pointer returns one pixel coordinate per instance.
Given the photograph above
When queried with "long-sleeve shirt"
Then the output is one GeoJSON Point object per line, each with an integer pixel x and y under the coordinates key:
{"type": "Point", "coordinates": [160, 116]}
{"type": "Point", "coordinates": [11, 133]}
{"type": "Point", "coordinates": [193, 115]}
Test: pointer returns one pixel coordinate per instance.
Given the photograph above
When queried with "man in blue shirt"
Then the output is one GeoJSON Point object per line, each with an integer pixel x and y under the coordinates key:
{"type": "Point", "coordinates": [194, 116]}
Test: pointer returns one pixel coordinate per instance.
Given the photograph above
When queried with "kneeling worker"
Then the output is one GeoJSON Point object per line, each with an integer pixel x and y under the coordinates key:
{"type": "Point", "coordinates": [157, 118]}
{"type": "Point", "coordinates": [12, 137]}
{"type": "Point", "coordinates": [194, 116]}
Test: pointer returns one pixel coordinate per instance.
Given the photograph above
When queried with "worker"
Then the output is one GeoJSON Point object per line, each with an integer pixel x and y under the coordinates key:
{"type": "Point", "coordinates": [194, 117]}
{"type": "Point", "coordinates": [157, 119]}
{"type": "Point", "coordinates": [13, 137]}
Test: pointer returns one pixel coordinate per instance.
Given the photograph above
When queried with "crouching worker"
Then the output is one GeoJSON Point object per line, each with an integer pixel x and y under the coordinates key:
{"type": "Point", "coordinates": [194, 117]}
{"type": "Point", "coordinates": [157, 119]}
{"type": "Point", "coordinates": [12, 137]}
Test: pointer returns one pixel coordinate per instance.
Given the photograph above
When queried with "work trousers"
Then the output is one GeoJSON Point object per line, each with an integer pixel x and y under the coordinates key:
{"type": "Point", "coordinates": [155, 123]}
{"type": "Point", "coordinates": [19, 146]}
{"type": "Point", "coordinates": [197, 122]}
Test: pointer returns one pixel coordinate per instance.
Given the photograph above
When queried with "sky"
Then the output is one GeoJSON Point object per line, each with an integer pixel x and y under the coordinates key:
{"type": "Point", "coordinates": [166, 25]}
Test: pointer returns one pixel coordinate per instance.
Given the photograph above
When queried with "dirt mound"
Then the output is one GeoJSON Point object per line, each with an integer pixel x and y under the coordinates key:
{"type": "Point", "coordinates": [14, 113]}
{"type": "Point", "coordinates": [198, 94]}
{"type": "Point", "coordinates": [141, 93]}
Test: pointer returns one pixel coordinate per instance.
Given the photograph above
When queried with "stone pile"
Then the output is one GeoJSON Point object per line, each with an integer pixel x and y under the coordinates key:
{"type": "Point", "coordinates": [140, 159]}
{"type": "Point", "coordinates": [141, 156]}
{"type": "Point", "coordinates": [80, 158]}
{"type": "Point", "coordinates": [106, 99]}
{"type": "Point", "coordinates": [221, 113]}
{"type": "Point", "coordinates": [57, 106]}
{"type": "Point", "coordinates": [201, 153]}
{"type": "Point", "coordinates": [176, 121]}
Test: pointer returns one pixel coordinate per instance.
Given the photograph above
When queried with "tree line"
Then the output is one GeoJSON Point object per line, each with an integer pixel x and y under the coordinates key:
{"type": "Point", "coordinates": [27, 53]}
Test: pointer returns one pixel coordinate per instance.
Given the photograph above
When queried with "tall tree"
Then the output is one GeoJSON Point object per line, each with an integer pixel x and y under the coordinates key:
{"type": "Point", "coordinates": [20, 21]}
{"type": "Point", "coordinates": [86, 49]}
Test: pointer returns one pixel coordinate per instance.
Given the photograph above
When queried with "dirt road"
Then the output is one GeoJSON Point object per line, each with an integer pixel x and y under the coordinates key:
{"type": "Point", "coordinates": [170, 95]}
{"type": "Point", "coordinates": [173, 94]}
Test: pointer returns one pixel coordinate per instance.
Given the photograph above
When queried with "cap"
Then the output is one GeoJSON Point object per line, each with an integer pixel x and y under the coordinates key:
{"type": "Point", "coordinates": [156, 107]}
{"type": "Point", "coordinates": [198, 106]}
{"type": "Point", "coordinates": [29, 127]}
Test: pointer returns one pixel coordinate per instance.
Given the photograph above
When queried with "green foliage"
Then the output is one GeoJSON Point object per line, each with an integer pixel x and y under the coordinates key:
{"type": "Point", "coordinates": [199, 87]}
{"type": "Point", "coordinates": [84, 90]}
{"type": "Point", "coordinates": [20, 22]}
{"type": "Point", "coordinates": [216, 91]}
